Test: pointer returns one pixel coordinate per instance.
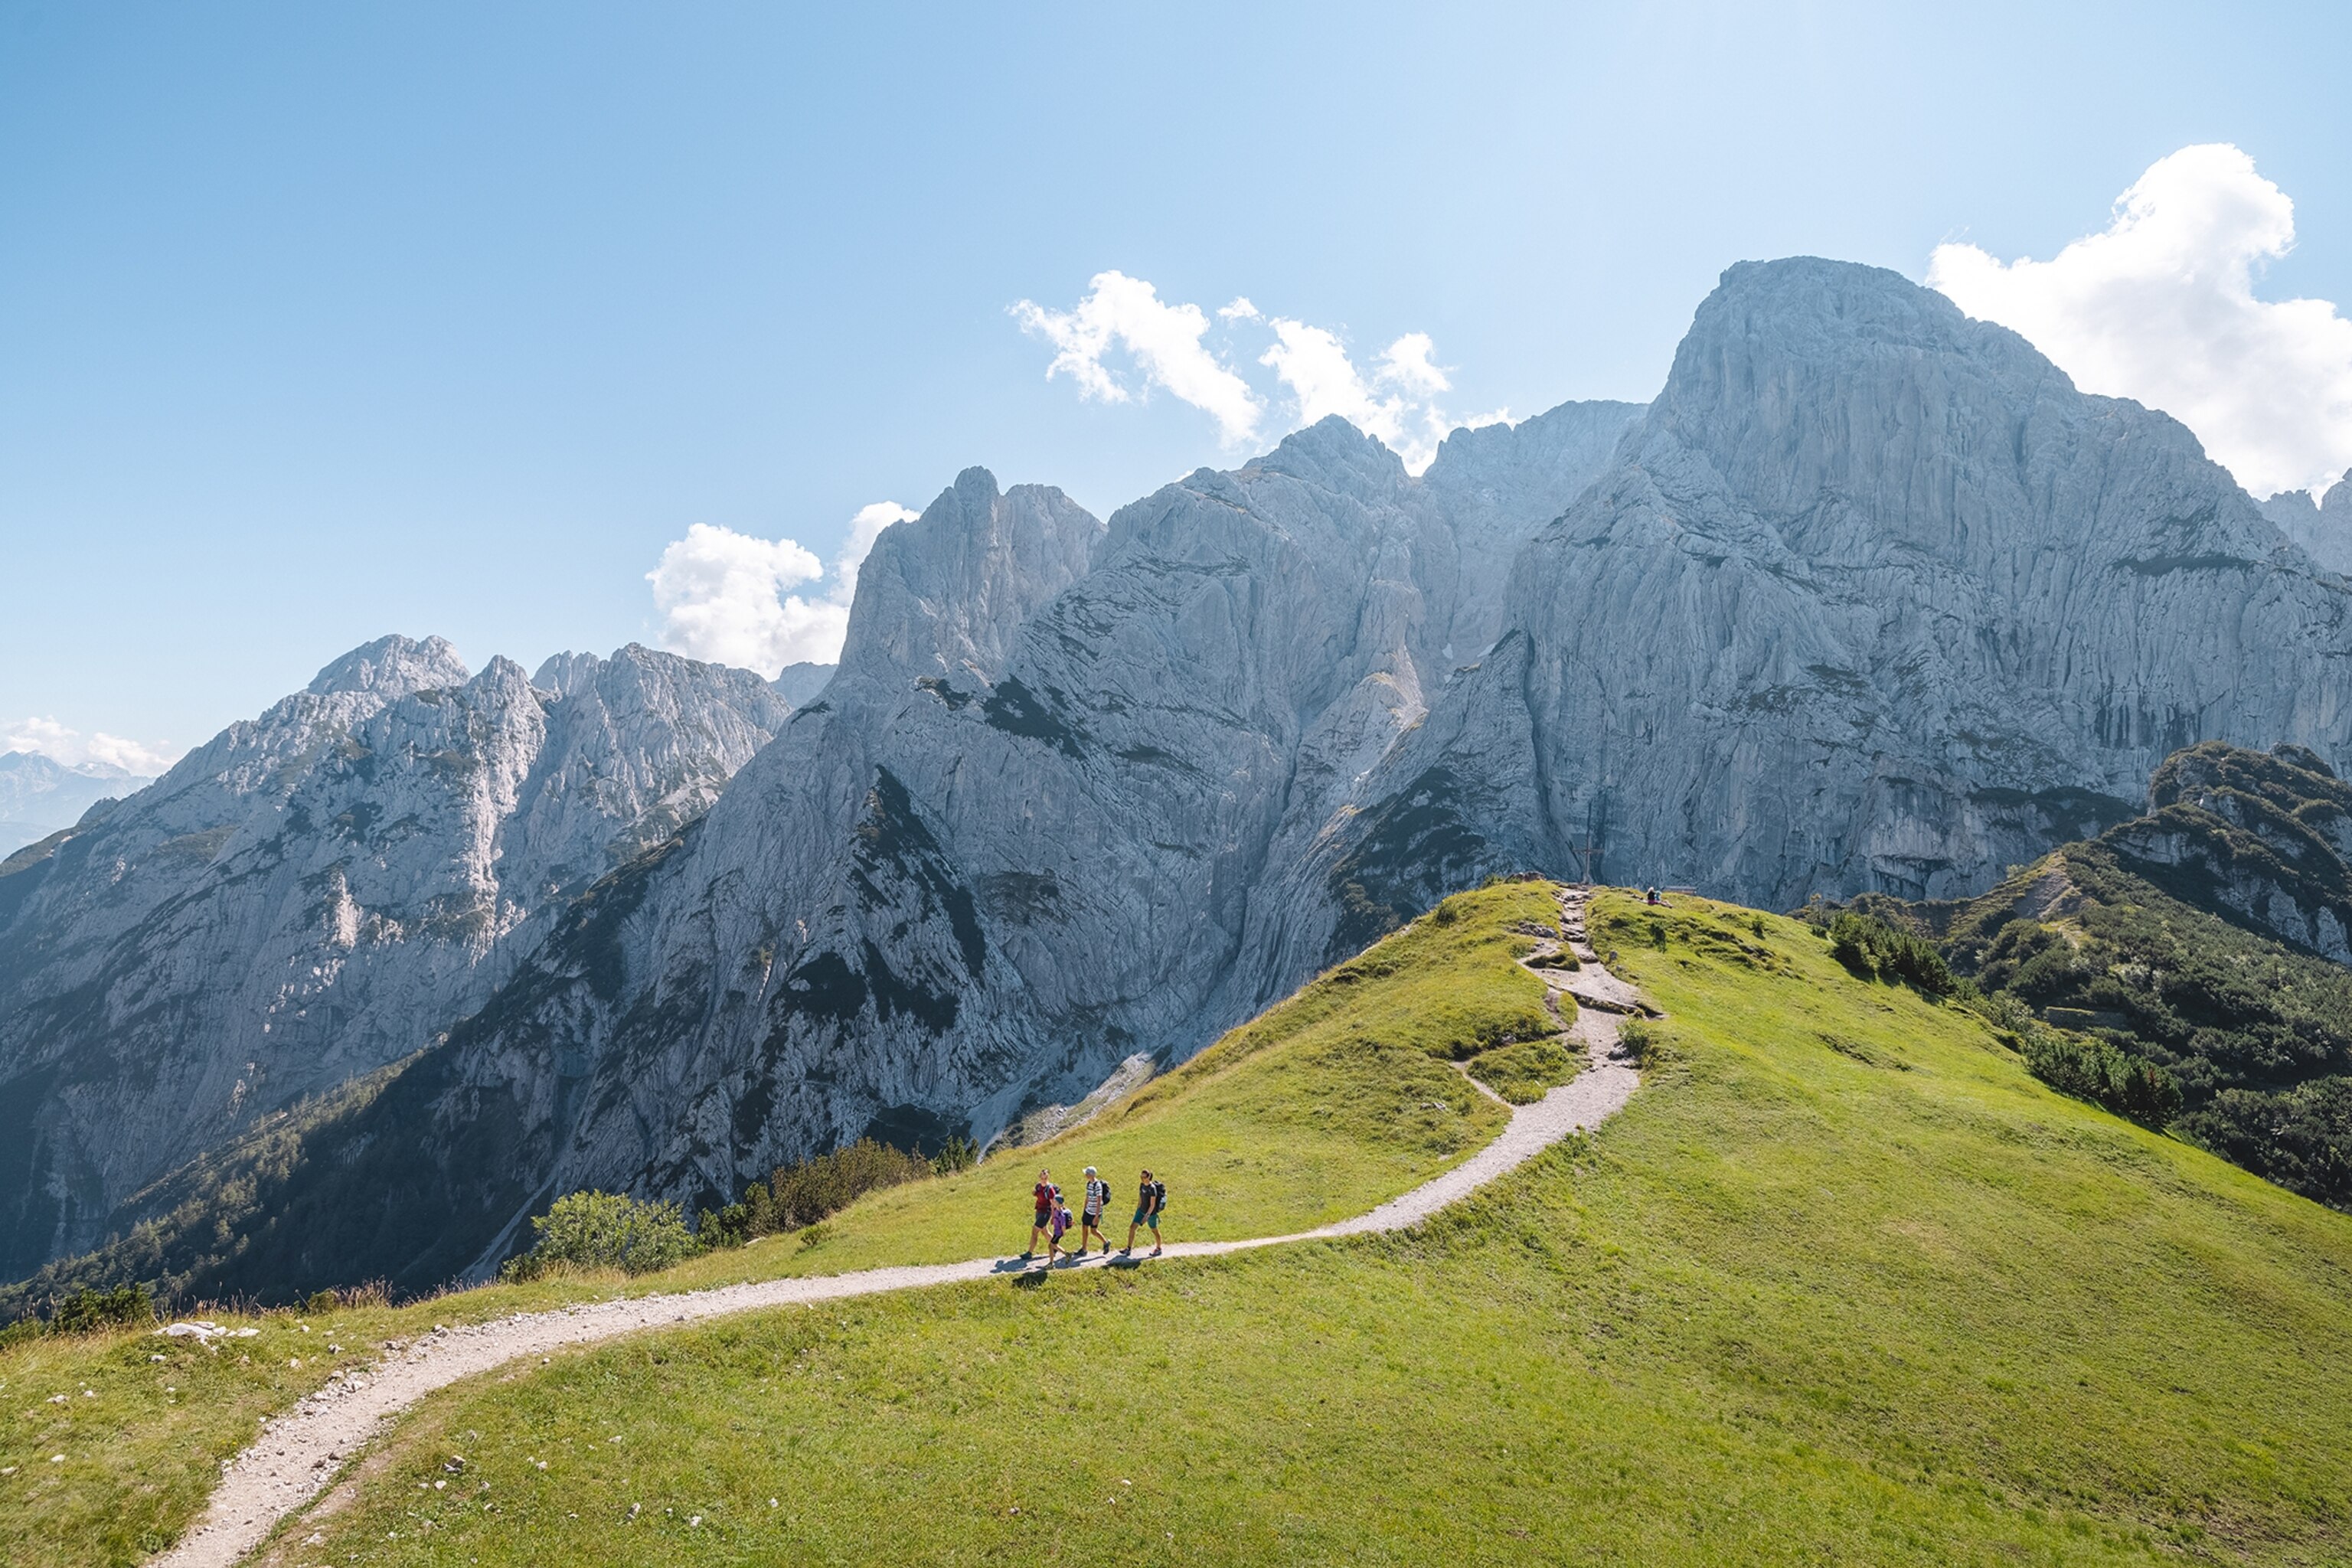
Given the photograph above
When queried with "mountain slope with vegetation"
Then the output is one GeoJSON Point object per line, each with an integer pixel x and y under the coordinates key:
{"type": "Point", "coordinates": [1842, 1283]}
{"type": "Point", "coordinates": [2196, 940]}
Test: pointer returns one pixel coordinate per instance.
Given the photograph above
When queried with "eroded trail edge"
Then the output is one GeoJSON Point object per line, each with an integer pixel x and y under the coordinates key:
{"type": "Point", "coordinates": [301, 1451]}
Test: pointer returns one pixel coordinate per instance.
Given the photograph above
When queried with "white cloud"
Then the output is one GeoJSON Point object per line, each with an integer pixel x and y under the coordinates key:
{"type": "Point", "coordinates": [1395, 400]}
{"type": "Point", "coordinates": [2159, 306]}
{"type": "Point", "coordinates": [1411, 362]}
{"type": "Point", "coordinates": [722, 595]}
{"type": "Point", "coordinates": [1163, 341]}
{"type": "Point", "coordinates": [94, 751]}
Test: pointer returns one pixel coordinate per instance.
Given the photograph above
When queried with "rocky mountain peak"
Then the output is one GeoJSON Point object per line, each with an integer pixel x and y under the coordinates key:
{"type": "Point", "coordinates": [392, 667]}
{"type": "Point", "coordinates": [2323, 529]}
{"type": "Point", "coordinates": [1333, 454]}
{"type": "Point", "coordinates": [315, 892]}
{"type": "Point", "coordinates": [945, 592]}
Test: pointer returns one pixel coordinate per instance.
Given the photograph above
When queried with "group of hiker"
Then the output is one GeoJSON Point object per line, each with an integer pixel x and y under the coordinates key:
{"type": "Point", "coordinates": [1053, 1220]}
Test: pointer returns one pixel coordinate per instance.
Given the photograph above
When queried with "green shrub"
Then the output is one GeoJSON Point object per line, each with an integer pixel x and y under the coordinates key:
{"type": "Point", "coordinates": [2301, 1139]}
{"type": "Point", "coordinates": [1639, 1042]}
{"type": "Point", "coordinates": [807, 1193]}
{"type": "Point", "coordinates": [1871, 947]}
{"type": "Point", "coordinates": [2092, 1069]}
{"type": "Point", "coordinates": [87, 1310]}
{"type": "Point", "coordinates": [798, 1196]}
{"type": "Point", "coordinates": [959, 1155]}
{"type": "Point", "coordinates": [604, 1230]}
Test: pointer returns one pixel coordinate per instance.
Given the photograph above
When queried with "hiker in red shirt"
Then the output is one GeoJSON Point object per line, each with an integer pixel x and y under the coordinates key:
{"type": "Point", "coordinates": [1049, 1198]}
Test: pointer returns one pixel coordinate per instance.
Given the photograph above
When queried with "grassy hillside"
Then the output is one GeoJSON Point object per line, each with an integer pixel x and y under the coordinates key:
{"type": "Point", "coordinates": [1327, 1104]}
{"type": "Point", "coordinates": [1842, 1284]}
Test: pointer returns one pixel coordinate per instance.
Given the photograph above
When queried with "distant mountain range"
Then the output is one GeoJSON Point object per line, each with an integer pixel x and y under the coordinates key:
{"type": "Point", "coordinates": [1871, 598]}
{"type": "Point", "coordinates": [39, 796]}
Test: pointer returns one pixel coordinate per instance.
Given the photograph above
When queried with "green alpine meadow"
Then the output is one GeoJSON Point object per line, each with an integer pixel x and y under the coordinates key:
{"type": "Point", "coordinates": [1842, 1281]}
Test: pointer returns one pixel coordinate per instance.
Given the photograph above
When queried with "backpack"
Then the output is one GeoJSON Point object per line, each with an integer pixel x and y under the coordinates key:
{"type": "Point", "coordinates": [1158, 1197]}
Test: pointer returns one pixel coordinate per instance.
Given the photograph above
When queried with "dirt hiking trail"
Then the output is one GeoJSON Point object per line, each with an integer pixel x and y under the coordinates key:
{"type": "Point", "coordinates": [300, 1452]}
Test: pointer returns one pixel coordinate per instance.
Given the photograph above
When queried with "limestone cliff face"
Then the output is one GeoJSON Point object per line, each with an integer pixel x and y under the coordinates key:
{"type": "Point", "coordinates": [320, 892]}
{"type": "Point", "coordinates": [1873, 598]}
{"type": "Point", "coordinates": [2323, 528]}
{"type": "Point", "coordinates": [1019, 837]}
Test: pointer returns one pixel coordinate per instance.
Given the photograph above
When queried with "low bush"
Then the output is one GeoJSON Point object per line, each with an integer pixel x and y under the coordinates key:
{"type": "Point", "coordinates": [1871, 947]}
{"type": "Point", "coordinates": [2092, 1069]}
{"type": "Point", "coordinates": [604, 1230]}
{"type": "Point", "coordinates": [374, 1293]}
{"type": "Point", "coordinates": [798, 1196]}
{"type": "Point", "coordinates": [86, 1311]}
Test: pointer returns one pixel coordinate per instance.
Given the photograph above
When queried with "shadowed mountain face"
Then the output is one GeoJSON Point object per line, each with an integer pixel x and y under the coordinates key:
{"type": "Point", "coordinates": [1871, 598]}
{"type": "Point", "coordinates": [320, 893]}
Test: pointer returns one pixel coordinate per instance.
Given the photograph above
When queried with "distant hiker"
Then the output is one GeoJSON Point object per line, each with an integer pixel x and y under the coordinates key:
{"type": "Point", "coordinates": [1650, 895]}
{"type": "Point", "coordinates": [1096, 1199]}
{"type": "Point", "coordinates": [1061, 1228]}
{"type": "Point", "coordinates": [1150, 1197]}
{"type": "Point", "coordinates": [1048, 1195]}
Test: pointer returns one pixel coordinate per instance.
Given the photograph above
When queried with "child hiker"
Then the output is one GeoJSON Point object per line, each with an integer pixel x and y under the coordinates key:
{"type": "Point", "coordinates": [1061, 1228]}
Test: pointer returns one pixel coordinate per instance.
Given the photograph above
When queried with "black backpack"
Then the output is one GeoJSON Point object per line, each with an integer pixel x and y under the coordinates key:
{"type": "Point", "coordinates": [1158, 1197]}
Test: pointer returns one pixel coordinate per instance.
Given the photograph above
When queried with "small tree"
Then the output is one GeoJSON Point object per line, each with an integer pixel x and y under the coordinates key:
{"type": "Point", "coordinates": [88, 1310]}
{"type": "Point", "coordinates": [958, 1153]}
{"type": "Point", "coordinates": [604, 1230]}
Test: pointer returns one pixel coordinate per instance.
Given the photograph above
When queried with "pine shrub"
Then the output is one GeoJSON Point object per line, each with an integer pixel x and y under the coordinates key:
{"type": "Point", "coordinates": [1871, 947]}
{"type": "Point", "coordinates": [604, 1230]}
{"type": "Point", "coordinates": [2089, 1068]}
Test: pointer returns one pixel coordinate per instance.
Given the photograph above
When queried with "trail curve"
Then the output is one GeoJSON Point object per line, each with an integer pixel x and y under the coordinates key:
{"type": "Point", "coordinates": [300, 1452]}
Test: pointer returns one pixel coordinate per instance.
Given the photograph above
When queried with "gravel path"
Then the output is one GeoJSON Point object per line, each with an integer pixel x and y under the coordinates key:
{"type": "Point", "coordinates": [299, 1452]}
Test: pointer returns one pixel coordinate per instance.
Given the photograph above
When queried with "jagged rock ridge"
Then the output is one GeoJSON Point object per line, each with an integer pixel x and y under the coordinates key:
{"type": "Point", "coordinates": [320, 892]}
{"type": "Point", "coordinates": [2323, 528]}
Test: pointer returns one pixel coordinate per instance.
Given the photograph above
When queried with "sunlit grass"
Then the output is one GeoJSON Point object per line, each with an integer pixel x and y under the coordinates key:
{"type": "Point", "coordinates": [1842, 1283]}
{"type": "Point", "coordinates": [1321, 1108]}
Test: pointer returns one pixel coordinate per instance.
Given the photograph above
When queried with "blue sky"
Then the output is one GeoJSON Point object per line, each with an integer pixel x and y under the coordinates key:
{"type": "Point", "coordinates": [322, 322]}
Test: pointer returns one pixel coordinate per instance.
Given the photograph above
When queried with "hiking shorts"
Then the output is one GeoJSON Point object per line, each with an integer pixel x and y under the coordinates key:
{"type": "Point", "coordinates": [1042, 1221]}
{"type": "Point", "coordinates": [1150, 1220]}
